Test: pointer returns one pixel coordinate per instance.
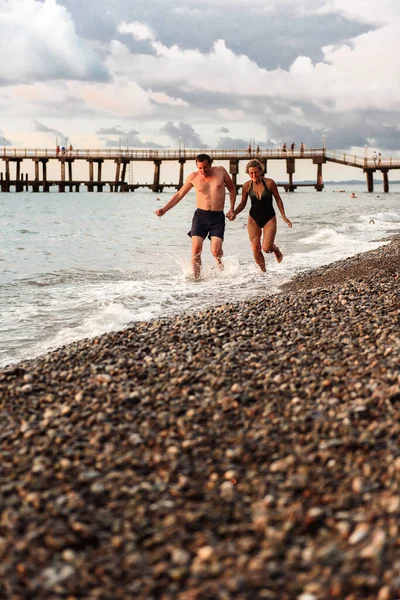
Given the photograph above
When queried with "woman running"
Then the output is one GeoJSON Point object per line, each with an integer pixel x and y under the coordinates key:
{"type": "Point", "coordinates": [262, 218]}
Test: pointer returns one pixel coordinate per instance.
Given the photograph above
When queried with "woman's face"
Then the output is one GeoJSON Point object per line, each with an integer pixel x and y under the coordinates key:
{"type": "Point", "coordinates": [255, 174]}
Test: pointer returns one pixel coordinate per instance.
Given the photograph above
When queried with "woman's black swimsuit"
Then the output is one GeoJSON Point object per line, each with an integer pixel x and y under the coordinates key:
{"type": "Point", "coordinates": [261, 209]}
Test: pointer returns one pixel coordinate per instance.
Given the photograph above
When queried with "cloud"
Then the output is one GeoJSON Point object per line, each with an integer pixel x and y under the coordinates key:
{"type": "Point", "coordinates": [129, 139]}
{"type": "Point", "coordinates": [122, 98]}
{"type": "Point", "coordinates": [139, 31]}
{"type": "Point", "coordinates": [163, 98]}
{"type": "Point", "coordinates": [364, 11]}
{"type": "Point", "coordinates": [183, 133]}
{"type": "Point", "coordinates": [111, 131]}
{"type": "Point", "coordinates": [341, 81]}
{"type": "Point", "coordinates": [3, 140]}
{"type": "Point", "coordinates": [303, 69]}
{"type": "Point", "coordinates": [44, 129]}
{"type": "Point", "coordinates": [39, 42]}
{"type": "Point", "coordinates": [126, 138]}
{"type": "Point", "coordinates": [229, 143]}
{"type": "Point", "coordinates": [231, 115]}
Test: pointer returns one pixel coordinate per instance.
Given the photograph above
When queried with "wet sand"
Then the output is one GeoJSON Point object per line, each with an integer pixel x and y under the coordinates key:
{"type": "Point", "coordinates": [250, 451]}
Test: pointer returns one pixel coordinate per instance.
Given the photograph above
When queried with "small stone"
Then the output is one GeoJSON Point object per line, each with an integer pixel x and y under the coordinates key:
{"type": "Point", "coordinates": [236, 388]}
{"type": "Point", "coordinates": [384, 593]}
{"type": "Point", "coordinates": [180, 556]}
{"type": "Point", "coordinates": [205, 552]}
{"type": "Point", "coordinates": [227, 490]}
{"type": "Point", "coordinates": [359, 534]}
{"type": "Point", "coordinates": [357, 485]}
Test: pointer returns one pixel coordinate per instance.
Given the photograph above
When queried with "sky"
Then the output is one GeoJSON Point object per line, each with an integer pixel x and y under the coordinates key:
{"type": "Point", "coordinates": [209, 74]}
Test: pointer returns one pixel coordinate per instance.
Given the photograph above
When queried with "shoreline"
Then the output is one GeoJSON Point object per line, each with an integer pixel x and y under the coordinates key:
{"type": "Point", "coordinates": [248, 451]}
{"type": "Point", "coordinates": [365, 264]}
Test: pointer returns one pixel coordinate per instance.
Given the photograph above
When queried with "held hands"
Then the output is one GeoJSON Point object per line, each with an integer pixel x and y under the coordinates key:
{"type": "Point", "coordinates": [231, 215]}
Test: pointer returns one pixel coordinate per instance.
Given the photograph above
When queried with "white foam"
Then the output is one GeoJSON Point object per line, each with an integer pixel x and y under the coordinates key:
{"type": "Point", "coordinates": [388, 217]}
{"type": "Point", "coordinates": [326, 236]}
{"type": "Point", "coordinates": [112, 317]}
{"type": "Point", "coordinates": [231, 267]}
{"type": "Point", "coordinates": [85, 289]}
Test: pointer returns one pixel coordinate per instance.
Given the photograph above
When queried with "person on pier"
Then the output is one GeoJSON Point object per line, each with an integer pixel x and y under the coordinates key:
{"type": "Point", "coordinates": [209, 219]}
{"type": "Point", "coordinates": [261, 221]}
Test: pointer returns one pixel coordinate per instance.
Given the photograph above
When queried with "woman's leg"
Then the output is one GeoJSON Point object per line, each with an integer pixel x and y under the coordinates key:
{"type": "Point", "coordinates": [254, 232]}
{"type": "Point", "coordinates": [268, 242]}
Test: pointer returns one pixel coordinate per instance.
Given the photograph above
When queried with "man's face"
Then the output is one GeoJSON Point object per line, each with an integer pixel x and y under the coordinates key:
{"type": "Point", "coordinates": [204, 168]}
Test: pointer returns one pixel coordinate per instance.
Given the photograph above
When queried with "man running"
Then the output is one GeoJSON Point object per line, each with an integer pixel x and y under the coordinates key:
{"type": "Point", "coordinates": [208, 219]}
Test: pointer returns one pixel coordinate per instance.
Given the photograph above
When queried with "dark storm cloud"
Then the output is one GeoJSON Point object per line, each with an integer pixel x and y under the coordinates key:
{"type": "Point", "coordinates": [272, 39]}
{"type": "Point", "coordinates": [113, 131]}
{"type": "Point", "coordinates": [43, 128]}
{"type": "Point", "coordinates": [197, 99]}
{"type": "Point", "coordinates": [68, 107]}
{"type": "Point", "coordinates": [338, 133]}
{"type": "Point", "coordinates": [388, 138]}
{"type": "Point", "coordinates": [341, 130]}
{"type": "Point", "coordinates": [228, 143]}
{"type": "Point", "coordinates": [183, 133]}
{"type": "Point", "coordinates": [127, 139]}
{"type": "Point", "coordinates": [3, 140]}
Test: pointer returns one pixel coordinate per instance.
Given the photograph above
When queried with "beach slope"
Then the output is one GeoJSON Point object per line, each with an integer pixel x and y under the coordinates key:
{"type": "Point", "coordinates": [249, 451]}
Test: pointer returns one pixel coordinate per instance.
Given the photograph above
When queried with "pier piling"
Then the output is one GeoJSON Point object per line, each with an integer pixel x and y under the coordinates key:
{"type": "Point", "coordinates": [181, 172]}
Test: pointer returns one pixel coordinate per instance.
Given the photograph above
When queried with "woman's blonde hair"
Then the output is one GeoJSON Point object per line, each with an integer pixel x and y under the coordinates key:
{"type": "Point", "coordinates": [255, 163]}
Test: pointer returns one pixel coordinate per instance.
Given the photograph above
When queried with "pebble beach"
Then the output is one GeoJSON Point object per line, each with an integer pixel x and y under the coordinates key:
{"type": "Point", "coordinates": [250, 451]}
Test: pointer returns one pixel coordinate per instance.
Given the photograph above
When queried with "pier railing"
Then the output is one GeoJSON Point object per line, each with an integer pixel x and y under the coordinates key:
{"type": "Point", "coordinates": [157, 153]}
{"type": "Point", "coordinates": [150, 154]}
{"type": "Point", "coordinates": [352, 160]}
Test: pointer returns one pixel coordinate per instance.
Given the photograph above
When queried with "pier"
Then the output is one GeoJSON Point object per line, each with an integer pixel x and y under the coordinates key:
{"type": "Point", "coordinates": [16, 161]}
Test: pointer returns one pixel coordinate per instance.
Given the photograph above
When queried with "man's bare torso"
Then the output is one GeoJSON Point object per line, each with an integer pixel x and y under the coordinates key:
{"type": "Point", "coordinates": [210, 190]}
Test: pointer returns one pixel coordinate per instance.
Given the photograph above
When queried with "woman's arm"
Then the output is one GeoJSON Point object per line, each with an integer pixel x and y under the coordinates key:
{"type": "Point", "coordinates": [273, 188]}
{"type": "Point", "coordinates": [243, 202]}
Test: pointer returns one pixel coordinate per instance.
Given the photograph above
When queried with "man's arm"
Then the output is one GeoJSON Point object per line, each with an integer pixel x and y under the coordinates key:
{"type": "Point", "coordinates": [231, 188]}
{"type": "Point", "coordinates": [232, 194]}
{"type": "Point", "coordinates": [176, 197]}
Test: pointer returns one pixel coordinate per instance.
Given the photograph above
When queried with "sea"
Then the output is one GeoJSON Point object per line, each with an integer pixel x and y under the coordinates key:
{"type": "Point", "coordinates": [77, 265]}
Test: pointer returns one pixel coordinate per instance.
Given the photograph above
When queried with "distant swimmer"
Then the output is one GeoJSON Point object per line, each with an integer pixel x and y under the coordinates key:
{"type": "Point", "coordinates": [208, 220]}
{"type": "Point", "coordinates": [262, 218]}
{"type": "Point", "coordinates": [372, 222]}
{"type": "Point", "coordinates": [353, 195]}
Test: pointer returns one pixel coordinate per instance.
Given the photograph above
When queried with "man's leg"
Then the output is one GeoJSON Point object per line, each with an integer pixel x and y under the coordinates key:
{"type": "Point", "coordinates": [197, 247]}
{"type": "Point", "coordinates": [216, 250]}
{"type": "Point", "coordinates": [254, 232]}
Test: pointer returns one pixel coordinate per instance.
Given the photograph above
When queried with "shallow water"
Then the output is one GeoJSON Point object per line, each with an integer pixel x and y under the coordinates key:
{"type": "Point", "coordinates": [77, 265]}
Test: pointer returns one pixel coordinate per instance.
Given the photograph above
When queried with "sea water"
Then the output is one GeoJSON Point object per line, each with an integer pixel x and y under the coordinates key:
{"type": "Point", "coordinates": [76, 265]}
